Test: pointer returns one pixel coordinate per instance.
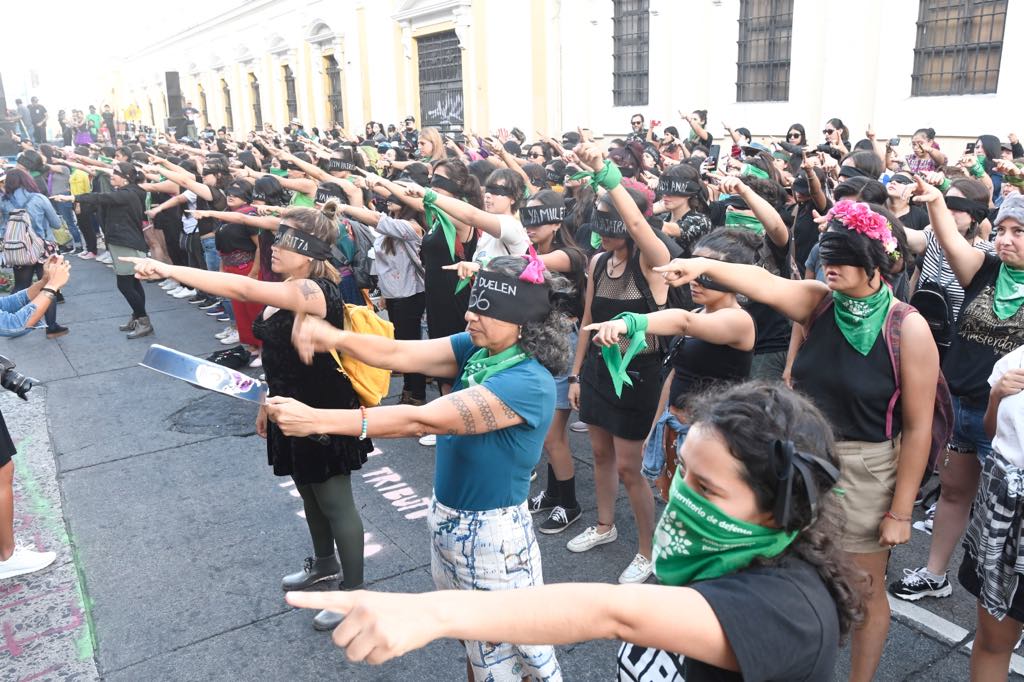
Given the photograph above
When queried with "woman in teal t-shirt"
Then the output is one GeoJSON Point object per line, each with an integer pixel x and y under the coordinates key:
{"type": "Point", "coordinates": [490, 433]}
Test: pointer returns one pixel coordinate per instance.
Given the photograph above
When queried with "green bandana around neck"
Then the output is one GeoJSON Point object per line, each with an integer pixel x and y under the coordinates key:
{"type": "Point", "coordinates": [617, 362]}
{"type": "Point", "coordinates": [1009, 295]}
{"type": "Point", "coordinates": [435, 218]}
{"type": "Point", "coordinates": [861, 319]}
{"type": "Point", "coordinates": [695, 540]}
{"type": "Point", "coordinates": [744, 222]}
{"type": "Point", "coordinates": [481, 365]}
{"type": "Point", "coordinates": [595, 240]}
{"type": "Point", "coordinates": [279, 172]}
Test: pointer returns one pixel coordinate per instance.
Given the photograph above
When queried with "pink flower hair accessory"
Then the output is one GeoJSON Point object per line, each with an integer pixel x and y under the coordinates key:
{"type": "Point", "coordinates": [858, 216]}
{"type": "Point", "coordinates": [534, 271]}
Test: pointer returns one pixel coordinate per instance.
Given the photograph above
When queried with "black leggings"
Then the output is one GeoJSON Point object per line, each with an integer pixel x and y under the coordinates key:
{"type": "Point", "coordinates": [133, 292]}
{"type": "Point", "coordinates": [333, 519]}
{"type": "Point", "coordinates": [406, 314]}
{"type": "Point", "coordinates": [23, 275]}
{"type": "Point", "coordinates": [87, 225]}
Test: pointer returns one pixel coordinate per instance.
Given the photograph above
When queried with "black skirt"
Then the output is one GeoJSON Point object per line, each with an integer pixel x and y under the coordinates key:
{"type": "Point", "coordinates": [631, 415]}
{"type": "Point", "coordinates": [7, 449]}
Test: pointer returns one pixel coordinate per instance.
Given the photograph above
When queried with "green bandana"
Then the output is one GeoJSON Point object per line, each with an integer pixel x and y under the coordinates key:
{"type": "Point", "coordinates": [861, 319]}
{"type": "Point", "coordinates": [435, 217]}
{"type": "Point", "coordinates": [279, 172]}
{"type": "Point", "coordinates": [695, 540]}
{"type": "Point", "coordinates": [979, 166]}
{"type": "Point", "coordinates": [482, 366]}
{"type": "Point", "coordinates": [1009, 292]}
{"type": "Point", "coordinates": [744, 222]}
{"type": "Point", "coordinates": [595, 240]}
{"type": "Point", "coordinates": [616, 362]}
{"type": "Point", "coordinates": [608, 177]}
{"type": "Point", "coordinates": [752, 170]}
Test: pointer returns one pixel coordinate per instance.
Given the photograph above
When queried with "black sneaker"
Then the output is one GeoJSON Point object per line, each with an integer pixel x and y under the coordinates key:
{"type": "Point", "coordinates": [197, 299]}
{"type": "Point", "coordinates": [208, 303]}
{"type": "Point", "coordinates": [236, 357]}
{"type": "Point", "coordinates": [560, 519]}
{"type": "Point", "coordinates": [540, 503]}
{"type": "Point", "coordinates": [916, 584]}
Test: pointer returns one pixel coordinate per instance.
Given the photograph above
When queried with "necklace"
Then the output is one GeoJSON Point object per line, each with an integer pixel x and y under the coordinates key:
{"type": "Point", "coordinates": [613, 266]}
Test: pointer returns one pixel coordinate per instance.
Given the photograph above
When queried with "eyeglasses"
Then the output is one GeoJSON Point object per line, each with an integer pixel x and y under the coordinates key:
{"type": "Point", "coordinates": [792, 135]}
{"type": "Point", "coordinates": [828, 131]}
{"type": "Point", "coordinates": [637, 123]}
{"type": "Point", "coordinates": [535, 155]}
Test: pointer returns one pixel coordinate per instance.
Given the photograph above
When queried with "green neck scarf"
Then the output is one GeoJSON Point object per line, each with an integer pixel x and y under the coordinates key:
{"type": "Point", "coordinates": [435, 218]}
{"type": "Point", "coordinates": [482, 365]}
{"type": "Point", "coordinates": [744, 222]}
{"type": "Point", "coordinates": [616, 362]}
{"type": "Point", "coordinates": [861, 319]}
{"type": "Point", "coordinates": [1009, 292]}
{"type": "Point", "coordinates": [695, 540]}
{"type": "Point", "coordinates": [279, 172]}
{"type": "Point", "coordinates": [595, 240]}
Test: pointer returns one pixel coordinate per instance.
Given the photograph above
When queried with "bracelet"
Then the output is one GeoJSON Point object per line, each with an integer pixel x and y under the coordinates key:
{"type": "Point", "coordinates": [894, 517]}
{"type": "Point", "coordinates": [362, 433]}
{"type": "Point", "coordinates": [48, 290]}
{"type": "Point", "coordinates": [49, 294]}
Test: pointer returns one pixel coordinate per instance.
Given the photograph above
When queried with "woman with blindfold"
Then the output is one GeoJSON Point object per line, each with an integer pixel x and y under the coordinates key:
{"type": "Point", "coordinates": [490, 430]}
{"type": "Point", "coordinates": [619, 404]}
{"type": "Point", "coordinates": [844, 366]}
{"type": "Point", "coordinates": [684, 197]}
{"type": "Point", "coordinates": [321, 468]}
{"type": "Point", "coordinates": [764, 590]}
{"type": "Point", "coordinates": [900, 191]}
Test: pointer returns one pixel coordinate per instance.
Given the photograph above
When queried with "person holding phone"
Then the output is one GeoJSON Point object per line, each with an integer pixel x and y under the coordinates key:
{"type": "Point", "coordinates": [926, 156]}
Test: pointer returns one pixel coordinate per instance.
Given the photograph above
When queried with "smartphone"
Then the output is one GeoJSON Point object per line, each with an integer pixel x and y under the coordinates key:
{"type": "Point", "coordinates": [894, 142]}
{"type": "Point", "coordinates": [969, 149]}
{"type": "Point", "coordinates": [715, 152]}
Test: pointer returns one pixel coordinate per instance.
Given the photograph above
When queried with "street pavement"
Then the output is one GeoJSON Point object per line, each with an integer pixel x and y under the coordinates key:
{"type": "Point", "coordinates": [172, 533]}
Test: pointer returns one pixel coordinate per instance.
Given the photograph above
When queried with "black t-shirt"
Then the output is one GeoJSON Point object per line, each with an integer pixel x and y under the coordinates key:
{"type": "Point", "coordinates": [234, 237]}
{"type": "Point", "coordinates": [805, 231]}
{"type": "Point", "coordinates": [916, 218]}
{"type": "Point", "coordinates": [981, 337]}
{"type": "Point", "coordinates": [781, 623]}
{"type": "Point", "coordinates": [773, 328]}
{"type": "Point", "coordinates": [37, 112]}
{"type": "Point", "coordinates": [219, 203]}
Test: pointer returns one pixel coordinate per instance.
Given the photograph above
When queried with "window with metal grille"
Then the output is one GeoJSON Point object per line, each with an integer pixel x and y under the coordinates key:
{"type": "Point", "coordinates": [229, 119]}
{"type": "Point", "coordinates": [334, 89]}
{"type": "Point", "coordinates": [257, 107]}
{"type": "Point", "coordinates": [959, 47]}
{"type": "Point", "coordinates": [765, 39]}
{"type": "Point", "coordinates": [440, 71]}
{"type": "Point", "coordinates": [290, 98]}
{"type": "Point", "coordinates": [629, 46]}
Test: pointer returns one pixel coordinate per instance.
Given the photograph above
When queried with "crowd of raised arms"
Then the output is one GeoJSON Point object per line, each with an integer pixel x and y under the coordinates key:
{"type": "Point", "coordinates": [782, 341]}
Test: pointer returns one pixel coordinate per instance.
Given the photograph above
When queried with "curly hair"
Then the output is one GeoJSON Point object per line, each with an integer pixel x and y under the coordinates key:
{"type": "Point", "coordinates": [749, 418]}
{"type": "Point", "coordinates": [548, 340]}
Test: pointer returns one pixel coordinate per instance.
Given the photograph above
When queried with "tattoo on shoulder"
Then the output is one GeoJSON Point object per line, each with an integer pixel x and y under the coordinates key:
{"type": "Point", "coordinates": [467, 414]}
{"type": "Point", "coordinates": [506, 410]}
{"type": "Point", "coordinates": [490, 423]}
{"type": "Point", "coordinates": [308, 289]}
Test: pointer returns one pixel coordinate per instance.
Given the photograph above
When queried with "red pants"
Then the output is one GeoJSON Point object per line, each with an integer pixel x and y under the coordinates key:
{"type": "Point", "coordinates": [245, 312]}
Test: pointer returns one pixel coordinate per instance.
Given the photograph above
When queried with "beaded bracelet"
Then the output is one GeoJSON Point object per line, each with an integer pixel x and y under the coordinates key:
{"type": "Point", "coordinates": [362, 433]}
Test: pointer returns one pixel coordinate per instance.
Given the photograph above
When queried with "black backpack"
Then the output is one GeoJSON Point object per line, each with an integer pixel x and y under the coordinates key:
{"type": "Point", "coordinates": [931, 301]}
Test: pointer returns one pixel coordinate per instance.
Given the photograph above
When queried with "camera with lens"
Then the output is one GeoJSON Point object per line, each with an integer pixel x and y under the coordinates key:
{"type": "Point", "coordinates": [15, 382]}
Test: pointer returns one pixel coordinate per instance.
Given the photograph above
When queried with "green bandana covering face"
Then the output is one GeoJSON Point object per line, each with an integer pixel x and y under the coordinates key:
{"type": "Point", "coordinates": [695, 540]}
{"type": "Point", "coordinates": [481, 365]}
{"type": "Point", "coordinates": [861, 319]}
{"type": "Point", "coordinates": [744, 222]}
{"type": "Point", "coordinates": [1009, 295]}
{"type": "Point", "coordinates": [616, 362]}
{"type": "Point", "coordinates": [279, 172]}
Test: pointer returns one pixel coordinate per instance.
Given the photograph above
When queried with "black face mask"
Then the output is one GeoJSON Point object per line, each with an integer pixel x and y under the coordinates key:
{"type": "Point", "coordinates": [530, 216]}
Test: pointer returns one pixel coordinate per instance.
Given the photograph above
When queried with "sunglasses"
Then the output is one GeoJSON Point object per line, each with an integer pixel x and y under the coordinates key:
{"type": "Point", "coordinates": [637, 123]}
{"type": "Point", "coordinates": [535, 155]}
{"type": "Point", "coordinates": [792, 135]}
{"type": "Point", "coordinates": [828, 131]}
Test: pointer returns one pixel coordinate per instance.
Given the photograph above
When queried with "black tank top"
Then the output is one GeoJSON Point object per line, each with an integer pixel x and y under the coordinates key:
{"type": "Point", "coordinates": [700, 365]}
{"type": "Point", "coordinates": [852, 390]}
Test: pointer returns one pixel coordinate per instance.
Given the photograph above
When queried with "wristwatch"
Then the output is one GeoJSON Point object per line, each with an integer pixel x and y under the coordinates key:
{"type": "Point", "coordinates": [573, 378]}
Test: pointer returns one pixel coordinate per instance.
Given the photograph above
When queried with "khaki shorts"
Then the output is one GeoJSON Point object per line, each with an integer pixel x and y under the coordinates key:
{"type": "Point", "coordinates": [868, 479]}
{"type": "Point", "coordinates": [123, 267]}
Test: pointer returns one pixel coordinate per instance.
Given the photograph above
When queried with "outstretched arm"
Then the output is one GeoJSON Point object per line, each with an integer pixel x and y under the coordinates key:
{"type": "Point", "coordinates": [964, 259]}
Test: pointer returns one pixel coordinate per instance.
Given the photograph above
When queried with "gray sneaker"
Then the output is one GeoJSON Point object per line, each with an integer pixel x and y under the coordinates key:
{"type": "Point", "coordinates": [313, 571]}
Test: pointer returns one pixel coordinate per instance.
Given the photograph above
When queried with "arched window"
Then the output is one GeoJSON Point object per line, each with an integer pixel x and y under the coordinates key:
{"type": "Point", "coordinates": [257, 109]}
{"type": "Point", "coordinates": [229, 119]}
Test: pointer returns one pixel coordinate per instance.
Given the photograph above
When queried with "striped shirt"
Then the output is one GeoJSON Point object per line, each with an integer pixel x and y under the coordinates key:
{"type": "Point", "coordinates": [935, 268]}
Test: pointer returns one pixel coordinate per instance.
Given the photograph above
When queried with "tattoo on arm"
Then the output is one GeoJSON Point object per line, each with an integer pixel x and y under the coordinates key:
{"type": "Point", "coordinates": [467, 415]}
{"type": "Point", "coordinates": [506, 410]}
{"type": "Point", "coordinates": [490, 423]}
{"type": "Point", "coordinates": [309, 290]}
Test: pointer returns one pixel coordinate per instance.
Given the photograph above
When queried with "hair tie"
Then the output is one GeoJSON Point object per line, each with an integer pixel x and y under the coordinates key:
{"type": "Point", "coordinates": [788, 461]}
{"type": "Point", "coordinates": [534, 271]}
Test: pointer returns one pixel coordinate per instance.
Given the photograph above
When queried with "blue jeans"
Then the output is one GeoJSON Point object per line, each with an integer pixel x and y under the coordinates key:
{"type": "Point", "coordinates": [969, 430]}
{"type": "Point", "coordinates": [66, 210]}
{"type": "Point", "coordinates": [212, 258]}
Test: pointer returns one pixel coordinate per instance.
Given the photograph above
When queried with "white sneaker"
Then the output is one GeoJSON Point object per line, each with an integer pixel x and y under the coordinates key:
{"type": "Point", "coordinates": [172, 292]}
{"type": "Point", "coordinates": [429, 440]}
{"type": "Point", "coordinates": [25, 561]}
{"type": "Point", "coordinates": [256, 362]}
{"type": "Point", "coordinates": [105, 258]}
{"type": "Point", "coordinates": [590, 538]}
{"type": "Point", "coordinates": [224, 332]}
{"type": "Point", "coordinates": [185, 293]}
{"type": "Point", "coordinates": [578, 427]}
{"type": "Point", "coordinates": [169, 284]}
{"type": "Point", "coordinates": [231, 339]}
{"type": "Point", "coordinates": [638, 571]}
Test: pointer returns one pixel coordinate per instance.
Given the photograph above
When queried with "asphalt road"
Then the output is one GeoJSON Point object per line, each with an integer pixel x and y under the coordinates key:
{"type": "Point", "coordinates": [180, 533]}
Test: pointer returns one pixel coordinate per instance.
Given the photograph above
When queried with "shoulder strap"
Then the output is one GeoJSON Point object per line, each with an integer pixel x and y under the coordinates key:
{"type": "Point", "coordinates": [637, 273]}
{"type": "Point", "coordinates": [600, 269]}
{"type": "Point", "coordinates": [892, 332]}
{"type": "Point", "coordinates": [823, 306]}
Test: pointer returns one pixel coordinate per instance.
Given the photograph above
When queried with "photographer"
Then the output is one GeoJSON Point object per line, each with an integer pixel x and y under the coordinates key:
{"type": "Point", "coordinates": [19, 313]}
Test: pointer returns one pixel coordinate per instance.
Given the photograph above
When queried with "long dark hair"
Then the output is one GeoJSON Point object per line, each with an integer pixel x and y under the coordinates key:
{"type": "Point", "coordinates": [799, 127]}
{"type": "Point", "coordinates": [19, 179]}
{"type": "Point", "coordinates": [749, 418]}
{"type": "Point", "coordinates": [686, 172]}
{"type": "Point", "coordinates": [458, 172]}
{"type": "Point", "coordinates": [270, 187]}
{"type": "Point", "coordinates": [993, 150]}
{"type": "Point", "coordinates": [844, 132]}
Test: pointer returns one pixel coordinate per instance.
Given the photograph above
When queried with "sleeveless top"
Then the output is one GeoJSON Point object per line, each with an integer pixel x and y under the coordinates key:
{"type": "Point", "coordinates": [701, 365]}
{"type": "Point", "coordinates": [622, 294]}
{"type": "Point", "coordinates": [852, 390]}
{"type": "Point", "coordinates": [317, 385]}
{"type": "Point", "coordinates": [446, 310]}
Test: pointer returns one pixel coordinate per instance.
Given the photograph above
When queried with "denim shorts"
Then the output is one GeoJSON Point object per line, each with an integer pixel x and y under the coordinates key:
{"type": "Point", "coordinates": [562, 380]}
{"type": "Point", "coordinates": [491, 550]}
{"type": "Point", "coordinates": [969, 430]}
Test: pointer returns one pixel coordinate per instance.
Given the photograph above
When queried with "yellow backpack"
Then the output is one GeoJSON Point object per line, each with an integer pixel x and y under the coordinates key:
{"type": "Point", "coordinates": [370, 383]}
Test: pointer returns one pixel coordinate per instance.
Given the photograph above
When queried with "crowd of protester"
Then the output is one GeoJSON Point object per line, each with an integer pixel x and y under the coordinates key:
{"type": "Point", "coordinates": [671, 287]}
